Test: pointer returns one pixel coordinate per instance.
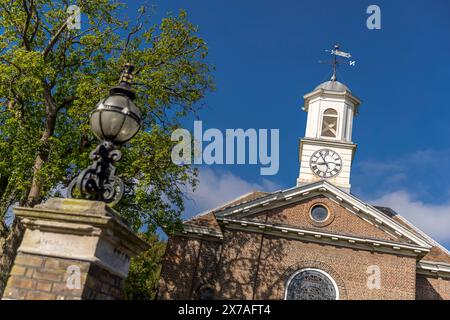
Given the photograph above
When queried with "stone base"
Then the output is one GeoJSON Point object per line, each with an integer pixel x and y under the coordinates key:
{"type": "Point", "coordinates": [71, 249]}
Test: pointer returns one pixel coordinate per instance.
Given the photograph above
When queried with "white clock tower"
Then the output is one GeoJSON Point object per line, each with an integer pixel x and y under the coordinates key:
{"type": "Point", "coordinates": [327, 150]}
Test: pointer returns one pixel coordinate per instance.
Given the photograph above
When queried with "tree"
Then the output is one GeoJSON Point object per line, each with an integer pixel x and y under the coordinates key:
{"type": "Point", "coordinates": [142, 281]}
{"type": "Point", "coordinates": [51, 77]}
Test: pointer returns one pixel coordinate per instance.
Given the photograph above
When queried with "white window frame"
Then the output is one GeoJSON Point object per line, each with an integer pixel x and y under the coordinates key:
{"type": "Point", "coordinates": [321, 123]}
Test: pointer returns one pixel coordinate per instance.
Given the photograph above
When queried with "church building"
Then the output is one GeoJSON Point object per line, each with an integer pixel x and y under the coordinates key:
{"type": "Point", "coordinates": [315, 241]}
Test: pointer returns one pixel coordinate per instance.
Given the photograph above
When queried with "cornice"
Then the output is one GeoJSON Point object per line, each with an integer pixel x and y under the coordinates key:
{"type": "Point", "coordinates": [348, 201]}
{"type": "Point", "coordinates": [322, 92]}
{"type": "Point", "coordinates": [328, 143]}
{"type": "Point", "coordinates": [329, 238]}
{"type": "Point", "coordinates": [433, 268]}
{"type": "Point", "coordinates": [200, 232]}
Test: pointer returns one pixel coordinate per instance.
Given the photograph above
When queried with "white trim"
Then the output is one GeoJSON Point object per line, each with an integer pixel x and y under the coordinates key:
{"type": "Point", "coordinates": [322, 92]}
{"type": "Point", "coordinates": [322, 234]}
{"type": "Point", "coordinates": [324, 187]}
{"type": "Point", "coordinates": [218, 208]}
{"type": "Point", "coordinates": [434, 267]}
{"type": "Point", "coordinates": [423, 234]}
{"type": "Point", "coordinates": [311, 269]}
{"type": "Point", "coordinates": [338, 126]}
{"type": "Point", "coordinates": [200, 231]}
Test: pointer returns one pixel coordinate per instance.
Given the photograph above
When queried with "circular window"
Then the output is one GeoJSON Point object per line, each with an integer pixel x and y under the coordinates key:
{"type": "Point", "coordinates": [319, 213]}
{"type": "Point", "coordinates": [311, 284]}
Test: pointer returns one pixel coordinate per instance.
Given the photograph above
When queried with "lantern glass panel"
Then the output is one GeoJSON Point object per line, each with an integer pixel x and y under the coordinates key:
{"type": "Point", "coordinates": [111, 122]}
{"type": "Point", "coordinates": [129, 129]}
{"type": "Point", "coordinates": [95, 124]}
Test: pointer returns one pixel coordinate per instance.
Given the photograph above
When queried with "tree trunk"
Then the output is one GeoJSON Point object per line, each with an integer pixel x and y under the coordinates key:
{"type": "Point", "coordinates": [9, 243]}
{"type": "Point", "coordinates": [34, 195]}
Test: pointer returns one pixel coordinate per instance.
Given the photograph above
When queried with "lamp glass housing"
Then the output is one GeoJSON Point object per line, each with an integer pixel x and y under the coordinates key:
{"type": "Point", "coordinates": [116, 119]}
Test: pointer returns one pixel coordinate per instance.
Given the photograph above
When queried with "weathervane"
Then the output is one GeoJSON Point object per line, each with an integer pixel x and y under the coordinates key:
{"type": "Point", "coordinates": [335, 62]}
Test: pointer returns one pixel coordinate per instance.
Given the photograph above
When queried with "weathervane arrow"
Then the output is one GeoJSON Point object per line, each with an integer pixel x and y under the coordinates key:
{"type": "Point", "coordinates": [336, 52]}
{"type": "Point", "coordinates": [341, 53]}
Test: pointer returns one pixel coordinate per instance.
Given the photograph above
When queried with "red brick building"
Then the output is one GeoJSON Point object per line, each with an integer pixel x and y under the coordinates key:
{"type": "Point", "coordinates": [313, 241]}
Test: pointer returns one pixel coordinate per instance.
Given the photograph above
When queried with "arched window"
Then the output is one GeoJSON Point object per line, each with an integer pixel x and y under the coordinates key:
{"type": "Point", "coordinates": [311, 284]}
{"type": "Point", "coordinates": [329, 123]}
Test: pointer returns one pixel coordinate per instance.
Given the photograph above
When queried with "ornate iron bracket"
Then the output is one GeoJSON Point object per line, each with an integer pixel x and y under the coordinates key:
{"type": "Point", "coordinates": [98, 181]}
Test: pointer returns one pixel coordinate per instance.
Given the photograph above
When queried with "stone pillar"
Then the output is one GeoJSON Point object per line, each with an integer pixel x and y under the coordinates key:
{"type": "Point", "coordinates": [71, 249]}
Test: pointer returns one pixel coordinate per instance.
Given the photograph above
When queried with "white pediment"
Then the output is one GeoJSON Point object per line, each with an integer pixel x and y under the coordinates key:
{"type": "Point", "coordinates": [289, 196]}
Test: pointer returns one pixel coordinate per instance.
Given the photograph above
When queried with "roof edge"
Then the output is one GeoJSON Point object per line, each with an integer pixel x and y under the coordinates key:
{"type": "Point", "coordinates": [223, 206]}
{"type": "Point", "coordinates": [322, 186]}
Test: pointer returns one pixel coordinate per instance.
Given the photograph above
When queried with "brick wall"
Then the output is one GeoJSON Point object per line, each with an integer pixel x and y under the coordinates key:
{"type": "Point", "coordinates": [191, 262]}
{"type": "Point", "coordinates": [280, 258]}
{"type": "Point", "coordinates": [35, 277]}
{"type": "Point", "coordinates": [250, 265]}
{"type": "Point", "coordinates": [256, 266]}
{"type": "Point", "coordinates": [207, 265]}
{"type": "Point", "coordinates": [178, 269]}
{"type": "Point", "coordinates": [432, 287]}
{"type": "Point", "coordinates": [238, 265]}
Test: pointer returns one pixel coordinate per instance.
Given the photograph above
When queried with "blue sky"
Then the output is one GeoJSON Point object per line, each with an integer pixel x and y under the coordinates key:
{"type": "Point", "coordinates": [265, 53]}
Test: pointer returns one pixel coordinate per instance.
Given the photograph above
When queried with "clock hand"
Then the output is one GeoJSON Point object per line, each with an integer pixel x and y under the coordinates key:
{"type": "Point", "coordinates": [325, 162]}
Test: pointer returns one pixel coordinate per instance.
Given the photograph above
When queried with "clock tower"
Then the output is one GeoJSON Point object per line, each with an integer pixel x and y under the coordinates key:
{"type": "Point", "coordinates": [327, 150]}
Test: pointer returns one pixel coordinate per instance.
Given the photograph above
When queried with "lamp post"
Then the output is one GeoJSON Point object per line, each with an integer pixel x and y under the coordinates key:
{"type": "Point", "coordinates": [114, 121]}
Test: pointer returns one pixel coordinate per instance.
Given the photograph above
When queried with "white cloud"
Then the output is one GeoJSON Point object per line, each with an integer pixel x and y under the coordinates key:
{"type": "Point", "coordinates": [377, 167]}
{"type": "Point", "coordinates": [433, 219]}
{"type": "Point", "coordinates": [217, 187]}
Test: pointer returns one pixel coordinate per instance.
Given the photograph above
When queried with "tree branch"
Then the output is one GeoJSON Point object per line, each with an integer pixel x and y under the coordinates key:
{"type": "Point", "coordinates": [66, 102]}
{"type": "Point", "coordinates": [11, 63]}
{"type": "Point", "coordinates": [37, 24]}
{"type": "Point", "coordinates": [135, 29]}
{"type": "Point", "coordinates": [54, 40]}
{"type": "Point", "coordinates": [27, 23]}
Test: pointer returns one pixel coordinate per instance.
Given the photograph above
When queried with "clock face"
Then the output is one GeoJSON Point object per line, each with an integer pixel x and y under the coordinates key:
{"type": "Point", "coordinates": [325, 163]}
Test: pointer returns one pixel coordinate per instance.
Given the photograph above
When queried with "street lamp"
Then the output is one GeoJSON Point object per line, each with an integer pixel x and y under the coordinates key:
{"type": "Point", "coordinates": [114, 121]}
